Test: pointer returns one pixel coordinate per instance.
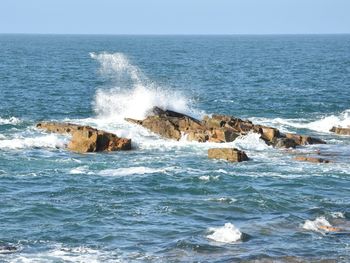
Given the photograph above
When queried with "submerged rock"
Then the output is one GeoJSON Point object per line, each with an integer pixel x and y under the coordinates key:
{"type": "Point", "coordinates": [218, 129]}
{"type": "Point", "coordinates": [311, 159]}
{"type": "Point", "coordinates": [228, 154]}
{"type": "Point", "coordinates": [87, 139]}
{"type": "Point", "coordinates": [340, 131]}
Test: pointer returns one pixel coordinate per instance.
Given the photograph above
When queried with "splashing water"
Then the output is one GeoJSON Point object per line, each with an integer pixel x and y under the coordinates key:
{"type": "Point", "coordinates": [225, 234]}
{"type": "Point", "coordinates": [136, 97]}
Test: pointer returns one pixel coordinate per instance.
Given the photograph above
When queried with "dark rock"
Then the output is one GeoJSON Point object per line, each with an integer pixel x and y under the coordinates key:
{"type": "Point", "coordinates": [340, 131]}
{"type": "Point", "coordinates": [228, 154]}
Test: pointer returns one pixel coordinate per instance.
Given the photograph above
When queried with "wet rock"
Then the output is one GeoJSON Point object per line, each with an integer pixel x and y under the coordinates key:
{"type": "Point", "coordinates": [228, 154]}
{"type": "Point", "coordinates": [87, 139]}
{"type": "Point", "coordinates": [217, 128]}
{"type": "Point", "coordinates": [311, 159]}
{"type": "Point", "coordinates": [340, 131]}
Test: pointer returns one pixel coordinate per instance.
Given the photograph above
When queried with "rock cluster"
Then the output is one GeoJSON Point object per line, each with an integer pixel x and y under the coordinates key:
{"type": "Point", "coordinates": [87, 139]}
{"type": "Point", "coordinates": [228, 154]}
{"type": "Point", "coordinates": [340, 131]}
{"type": "Point", "coordinates": [218, 128]}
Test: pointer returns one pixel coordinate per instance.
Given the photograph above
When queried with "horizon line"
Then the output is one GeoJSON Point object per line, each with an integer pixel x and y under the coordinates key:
{"type": "Point", "coordinates": [175, 34]}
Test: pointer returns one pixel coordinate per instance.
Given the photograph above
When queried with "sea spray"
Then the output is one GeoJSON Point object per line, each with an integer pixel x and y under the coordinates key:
{"type": "Point", "coordinates": [134, 94]}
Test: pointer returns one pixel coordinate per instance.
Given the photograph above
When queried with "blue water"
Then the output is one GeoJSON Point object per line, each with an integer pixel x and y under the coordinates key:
{"type": "Point", "coordinates": [164, 200]}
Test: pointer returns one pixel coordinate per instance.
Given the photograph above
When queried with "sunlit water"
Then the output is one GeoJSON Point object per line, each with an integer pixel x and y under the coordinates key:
{"type": "Point", "coordinates": [165, 201]}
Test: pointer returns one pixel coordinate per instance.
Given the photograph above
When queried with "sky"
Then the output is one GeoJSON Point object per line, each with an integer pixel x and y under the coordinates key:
{"type": "Point", "coordinates": [175, 16]}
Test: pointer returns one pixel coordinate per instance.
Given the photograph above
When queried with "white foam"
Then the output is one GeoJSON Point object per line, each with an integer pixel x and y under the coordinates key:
{"type": "Point", "coordinates": [41, 141]}
{"type": "Point", "coordinates": [135, 97]}
{"type": "Point", "coordinates": [133, 171]}
{"type": "Point", "coordinates": [324, 124]}
{"type": "Point", "coordinates": [208, 177]}
{"type": "Point", "coordinates": [11, 120]}
{"type": "Point", "coordinates": [225, 234]}
{"type": "Point", "coordinates": [337, 215]}
{"type": "Point", "coordinates": [60, 253]}
{"type": "Point", "coordinates": [317, 224]}
{"type": "Point", "coordinates": [80, 170]}
{"type": "Point", "coordinates": [251, 141]}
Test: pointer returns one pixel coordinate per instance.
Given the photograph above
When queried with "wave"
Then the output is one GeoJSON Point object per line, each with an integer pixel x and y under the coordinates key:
{"type": "Point", "coordinates": [11, 121]}
{"type": "Point", "coordinates": [60, 253]}
{"type": "Point", "coordinates": [324, 124]}
{"type": "Point", "coordinates": [136, 96]}
{"type": "Point", "coordinates": [41, 141]}
{"type": "Point", "coordinates": [133, 171]}
{"type": "Point", "coordinates": [320, 224]}
{"type": "Point", "coordinates": [225, 234]}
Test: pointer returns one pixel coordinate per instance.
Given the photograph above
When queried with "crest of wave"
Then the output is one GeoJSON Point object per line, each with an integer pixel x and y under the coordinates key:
{"type": "Point", "coordinates": [135, 94]}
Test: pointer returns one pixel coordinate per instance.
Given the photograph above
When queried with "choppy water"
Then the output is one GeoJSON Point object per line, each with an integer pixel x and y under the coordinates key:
{"type": "Point", "coordinates": [165, 201]}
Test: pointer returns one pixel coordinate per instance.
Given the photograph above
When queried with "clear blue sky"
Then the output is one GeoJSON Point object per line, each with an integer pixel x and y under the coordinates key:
{"type": "Point", "coordinates": [175, 16]}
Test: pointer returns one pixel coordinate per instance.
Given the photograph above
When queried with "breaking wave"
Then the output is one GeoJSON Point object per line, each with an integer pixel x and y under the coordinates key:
{"type": "Point", "coordinates": [134, 94]}
{"type": "Point", "coordinates": [320, 224]}
{"type": "Point", "coordinates": [225, 234]}
{"type": "Point", "coordinates": [42, 141]}
{"type": "Point", "coordinates": [323, 124]}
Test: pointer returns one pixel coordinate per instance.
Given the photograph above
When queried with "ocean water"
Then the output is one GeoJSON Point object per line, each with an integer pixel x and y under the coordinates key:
{"type": "Point", "coordinates": [165, 201]}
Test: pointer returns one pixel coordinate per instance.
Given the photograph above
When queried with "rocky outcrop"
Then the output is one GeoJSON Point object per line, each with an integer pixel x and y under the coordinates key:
{"type": "Point", "coordinates": [228, 154]}
{"type": "Point", "coordinates": [87, 139]}
{"type": "Point", "coordinates": [218, 128]}
{"type": "Point", "coordinates": [340, 131]}
{"type": "Point", "coordinates": [311, 159]}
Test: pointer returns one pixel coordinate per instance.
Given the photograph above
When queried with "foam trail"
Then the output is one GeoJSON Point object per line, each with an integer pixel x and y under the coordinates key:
{"type": "Point", "coordinates": [225, 234]}
{"type": "Point", "coordinates": [42, 141]}
{"type": "Point", "coordinates": [135, 94]}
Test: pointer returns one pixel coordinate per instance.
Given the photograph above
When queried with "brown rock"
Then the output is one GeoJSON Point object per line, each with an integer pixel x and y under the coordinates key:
{"type": "Point", "coordinates": [218, 128]}
{"type": "Point", "coordinates": [228, 154]}
{"type": "Point", "coordinates": [311, 159]}
{"type": "Point", "coordinates": [87, 139]}
{"type": "Point", "coordinates": [340, 131]}
{"type": "Point", "coordinates": [303, 139]}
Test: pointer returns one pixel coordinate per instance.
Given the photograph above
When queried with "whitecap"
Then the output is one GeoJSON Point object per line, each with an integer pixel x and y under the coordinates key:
{"type": "Point", "coordinates": [11, 120]}
{"type": "Point", "coordinates": [225, 234]}
{"type": "Point", "coordinates": [81, 170]}
{"type": "Point", "coordinates": [41, 141]}
{"type": "Point", "coordinates": [140, 170]}
{"type": "Point", "coordinates": [323, 124]}
{"type": "Point", "coordinates": [317, 225]}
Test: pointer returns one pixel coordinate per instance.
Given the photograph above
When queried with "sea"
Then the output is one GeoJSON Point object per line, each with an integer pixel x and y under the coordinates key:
{"type": "Point", "coordinates": [165, 201]}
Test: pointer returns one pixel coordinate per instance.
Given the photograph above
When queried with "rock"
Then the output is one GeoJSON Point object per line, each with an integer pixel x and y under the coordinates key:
{"type": "Point", "coordinates": [284, 143]}
{"type": "Point", "coordinates": [340, 131]}
{"type": "Point", "coordinates": [87, 139]}
{"type": "Point", "coordinates": [311, 159]}
{"type": "Point", "coordinates": [217, 128]}
{"type": "Point", "coordinates": [59, 127]}
{"type": "Point", "coordinates": [228, 154]}
{"type": "Point", "coordinates": [303, 139]}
